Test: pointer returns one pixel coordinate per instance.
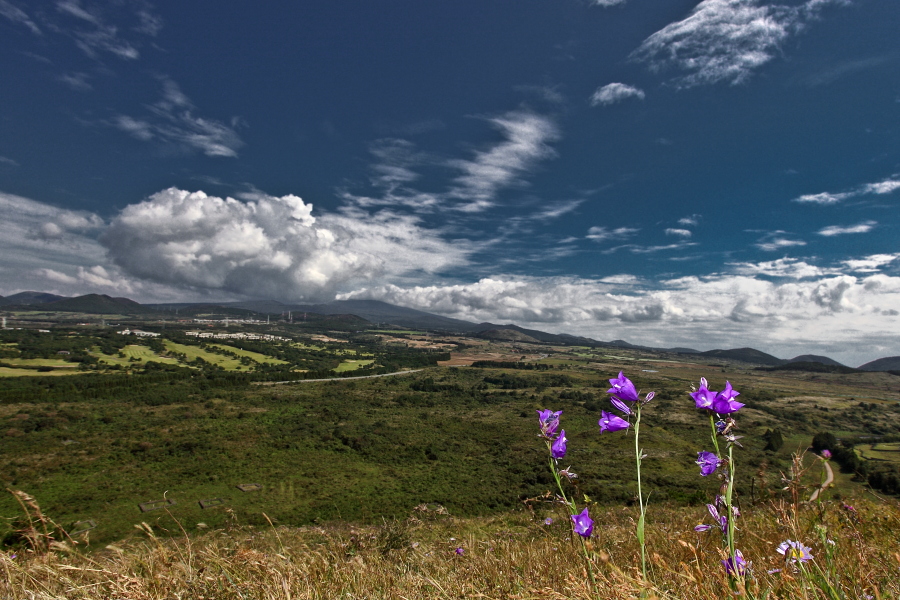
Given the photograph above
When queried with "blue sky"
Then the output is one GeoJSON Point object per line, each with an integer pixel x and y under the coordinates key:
{"type": "Point", "coordinates": [712, 174]}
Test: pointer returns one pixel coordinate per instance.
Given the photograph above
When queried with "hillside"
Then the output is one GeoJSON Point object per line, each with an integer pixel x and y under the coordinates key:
{"type": "Point", "coordinates": [29, 298]}
{"type": "Point", "coordinates": [890, 363]}
{"type": "Point", "coordinates": [748, 355]}
{"type": "Point", "coordinates": [100, 304]}
{"type": "Point", "coordinates": [509, 335]}
{"type": "Point", "coordinates": [814, 358]}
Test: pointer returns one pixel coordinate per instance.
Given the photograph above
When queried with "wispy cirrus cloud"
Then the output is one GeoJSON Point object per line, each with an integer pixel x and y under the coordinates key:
{"type": "Point", "coordinates": [864, 227]}
{"type": "Point", "coordinates": [96, 33]}
{"type": "Point", "coordinates": [885, 186]}
{"type": "Point", "coordinates": [776, 240]}
{"type": "Point", "coordinates": [615, 92]}
{"type": "Point", "coordinates": [19, 16]}
{"type": "Point", "coordinates": [602, 234]}
{"type": "Point", "coordinates": [725, 40]}
{"type": "Point", "coordinates": [171, 120]}
{"type": "Point", "coordinates": [472, 184]}
{"type": "Point", "coordinates": [527, 138]}
{"type": "Point", "coordinates": [685, 233]}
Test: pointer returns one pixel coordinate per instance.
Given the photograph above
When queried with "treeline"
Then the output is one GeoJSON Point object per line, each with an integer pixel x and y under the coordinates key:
{"type": "Point", "coordinates": [500, 364]}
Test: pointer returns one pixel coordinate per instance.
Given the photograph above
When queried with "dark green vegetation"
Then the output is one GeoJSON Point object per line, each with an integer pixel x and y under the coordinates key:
{"type": "Point", "coordinates": [96, 444]}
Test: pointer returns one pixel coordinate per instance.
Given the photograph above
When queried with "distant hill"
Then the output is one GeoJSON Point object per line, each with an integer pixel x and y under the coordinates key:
{"type": "Point", "coordinates": [99, 304]}
{"type": "Point", "coordinates": [811, 367]}
{"type": "Point", "coordinates": [749, 355]}
{"type": "Point", "coordinates": [377, 312]}
{"type": "Point", "coordinates": [814, 358]}
{"type": "Point", "coordinates": [508, 335]}
{"type": "Point", "coordinates": [28, 298]}
{"type": "Point", "coordinates": [890, 363]}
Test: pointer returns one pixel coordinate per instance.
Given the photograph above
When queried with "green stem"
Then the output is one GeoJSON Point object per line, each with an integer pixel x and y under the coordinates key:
{"type": "Point", "coordinates": [642, 521]}
{"type": "Point", "coordinates": [573, 511]}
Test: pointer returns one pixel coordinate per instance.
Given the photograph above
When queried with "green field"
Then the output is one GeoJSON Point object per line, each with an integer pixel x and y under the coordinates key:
{"type": "Point", "coordinates": [191, 352]}
{"type": "Point", "coordinates": [57, 363]}
{"type": "Point", "coordinates": [132, 354]}
{"type": "Point", "coordinates": [353, 365]}
{"type": "Point", "coordinates": [8, 372]}
{"type": "Point", "coordinates": [885, 452]}
{"type": "Point", "coordinates": [254, 356]}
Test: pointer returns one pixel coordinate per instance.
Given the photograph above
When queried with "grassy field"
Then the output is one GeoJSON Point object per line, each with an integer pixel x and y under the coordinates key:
{"type": "Point", "coordinates": [512, 556]}
{"type": "Point", "coordinates": [131, 354]}
{"type": "Point", "coordinates": [885, 452]}
{"type": "Point", "coordinates": [254, 356]}
{"type": "Point", "coordinates": [353, 365]}
{"type": "Point", "coordinates": [8, 372]}
{"type": "Point", "coordinates": [191, 352]}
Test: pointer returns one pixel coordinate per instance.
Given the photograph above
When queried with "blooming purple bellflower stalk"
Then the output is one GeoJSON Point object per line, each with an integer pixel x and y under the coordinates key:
{"type": "Point", "coordinates": [725, 403]}
{"type": "Point", "coordinates": [735, 566]}
{"type": "Point", "coordinates": [704, 397]}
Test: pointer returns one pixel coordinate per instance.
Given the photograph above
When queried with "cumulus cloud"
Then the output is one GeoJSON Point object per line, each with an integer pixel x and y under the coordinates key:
{"type": "Point", "coordinates": [691, 221]}
{"type": "Point", "coordinates": [268, 247]}
{"type": "Point", "coordinates": [791, 268]}
{"type": "Point", "coordinates": [871, 263]}
{"type": "Point", "coordinates": [725, 40]}
{"type": "Point", "coordinates": [171, 120]}
{"type": "Point", "coordinates": [832, 230]}
{"type": "Point", "coordinates": [602, 234]}
{"type": "Point", "coordinates": [883, 187]}
{"type": "Point", "coordinates": [822, 198]}
{"type": "Point", "coordinates": [841, 315]}
{"type": "Point", "coordinates": [615, 92]}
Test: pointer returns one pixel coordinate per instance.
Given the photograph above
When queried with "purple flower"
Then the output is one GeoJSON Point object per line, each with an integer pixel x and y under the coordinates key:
{"type": "Point", "coordinates": [708, 462]}
{"type": "Point", "coordinates": [549, 422]}
{"type": "Point", "coordinates": [703, 398]}
{"type": "Point", "coordinates": [459, 551]}
{"type": "Point", "coordinates": [794, 552]}
{"type": "Point", "coordinates": [721, 520]}
{"type": "Point", "coordinates": [826, 454]}
{"type": "Point", "coordinates": [548, 521]}
{"type": "Point", "coordinates": [610, 422]}
{"type": "Point", "coordinates": [568, 474]}
{"type": "Point", "coordinates": [584, 525]}
{"type": "Point", "coordinates": [558, 449]}
{"type": "Point", "coordinates": [620, 405]}
{"type": "Point", "coordinates": [623, 389]}
{"type": "Point", "coordinates": [736, 565]}
{"type": "Point", "coordinates": [724, 402]}
{"type": "Point", "coordinates": [650, 396]}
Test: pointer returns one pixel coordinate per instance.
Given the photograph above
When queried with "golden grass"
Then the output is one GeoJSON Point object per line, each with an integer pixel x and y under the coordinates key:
{"type": "Point", "coordinates": [512, 556]}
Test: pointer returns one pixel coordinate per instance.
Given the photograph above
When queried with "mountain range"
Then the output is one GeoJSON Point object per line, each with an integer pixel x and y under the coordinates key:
{"type": "Point", "coordinates": [382, 313]}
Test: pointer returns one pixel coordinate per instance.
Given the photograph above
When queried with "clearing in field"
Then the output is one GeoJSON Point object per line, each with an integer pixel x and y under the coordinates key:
{"type": "Point", "coordinates": [352, 365]}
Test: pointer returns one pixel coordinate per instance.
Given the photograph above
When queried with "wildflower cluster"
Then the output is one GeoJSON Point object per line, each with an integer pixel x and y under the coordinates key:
{"type": "Point", "coordinates": [721, 405]}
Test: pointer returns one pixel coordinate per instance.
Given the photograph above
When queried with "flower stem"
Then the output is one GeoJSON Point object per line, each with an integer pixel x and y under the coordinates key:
{"type": "Point", "coordinates": [641, 521]}
{"type": "Point", "coordinates": [570, 505]}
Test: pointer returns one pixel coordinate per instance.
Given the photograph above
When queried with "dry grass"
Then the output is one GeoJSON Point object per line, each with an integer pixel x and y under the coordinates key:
{"type": "Point", "coordinates": [514, 556]}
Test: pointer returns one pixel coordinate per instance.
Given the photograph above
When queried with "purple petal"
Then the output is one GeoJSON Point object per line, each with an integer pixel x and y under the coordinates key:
{"type": "Point", "coordinates": [620, 405]}
{"type": "Point", "coordinates": [558, 449]}
{"type": "Point", "coordinates": [610, 422]}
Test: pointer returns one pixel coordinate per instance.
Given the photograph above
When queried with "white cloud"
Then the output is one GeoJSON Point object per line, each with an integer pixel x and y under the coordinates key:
{"type": "Point", "coordinates": [864, 227]}
{"type": "Point", "coordinates": [823, 198]}
{"type": "Point", "coordinates": [679, 232]}
{"type": "Point", "coordinates": [605, 3]}
{"type": "Point", "coordinates": [615, 92]}
{"type": "Point", "coordinates": [527, 137]}
{"type": "Point", "coordinates": [882, 187]}
{"type": "Point", "coordinates": [691, 221]}
{"type": "Point", "coordinates": [269, 247]}
{"type": "Point", "coordinates": [172, 121]}
{"type": "Point", "coordinates": [725, 40]}
{"type": "Point", "coordinates": [17, 15]}
{"type": "Point", "coordinates": [782, 267]}
{"type": "Point", "coordinates": [843, 316]}
{"type": "Point", "coordinates": [871, 263]}
{"type": "Point", "coordinates": [92, 32]}
{"type": "Point", "coordinates": [602, 234]}
{"type": "Point", "coordinates": [77, 81]}
{"type": "Point", "coordinates": [8, 161]}
{"type": "Point", "coordinates": [775, 240]}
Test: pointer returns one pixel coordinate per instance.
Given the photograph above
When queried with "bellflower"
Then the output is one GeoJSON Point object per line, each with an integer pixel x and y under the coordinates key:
{"type": "Point", "coordinates": [794, 552]}
{"type": "Point", "coordinates": [610, 422]}
{"type": "Point", "coordinates": [826, 454]}
{"type": "Point", "coordinates": [584, 525]}
{"type": "Point", "coordinates": [736, 565]}
{"type": "Point", "coordinates": [620, 405]}
{"type": "Point", "coordinates": [708, 462]}
{"type": "Point", "coordinates": [558, 449]}
{"type": "Point", "coordinates": [725, 403]}
{"type": "Point", "coordinates": [549, 421]}
{"type": "Point", "coordinates": [623, 389]}
{"type": "Point", "coordinates": [703, 398]}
